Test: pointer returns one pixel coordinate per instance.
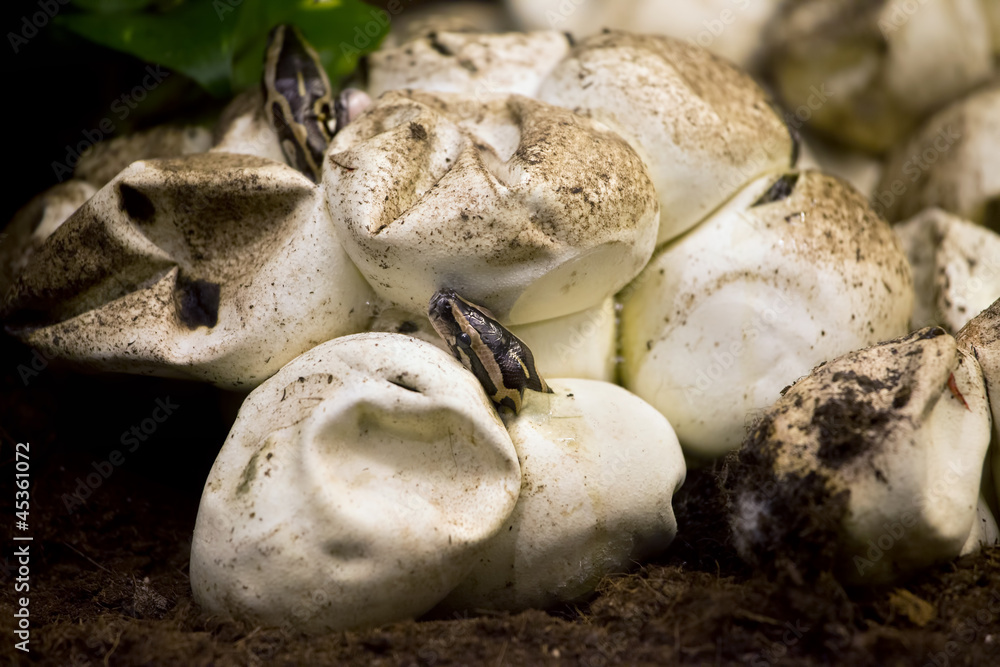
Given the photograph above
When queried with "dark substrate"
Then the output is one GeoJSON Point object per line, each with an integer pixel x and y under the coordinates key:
{"type": "Point", "coordinates": [109, 582]}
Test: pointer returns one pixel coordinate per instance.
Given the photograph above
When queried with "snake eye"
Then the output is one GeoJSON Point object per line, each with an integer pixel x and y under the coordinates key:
{"type": "Point", "coordinates": [464, 339]}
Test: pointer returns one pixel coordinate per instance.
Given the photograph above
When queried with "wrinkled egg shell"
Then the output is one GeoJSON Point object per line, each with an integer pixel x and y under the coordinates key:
{"type": "Point", "coordinates": [136, 281]}
{"type": "Point", "coordinates": [468, 62]}
{"type": "Point", "coordinates": [754, 297]}
{"type": "Point", "coordinates": [599, 467]}
{"type": "Point", "coordinates": [102, 161]}
{"type": "Point", "coordinates": [952, 162]}
{"type": "Point", "coordinates": [981, 337]}
{"type": "Point", "coordinates": [873, 461]}
{"type": "Point", "coordinates": [866, 73]}
{"type": "Point", "coordinates": [955, 265]}
{"type": "Point", "coordinates": [703, 127]}
{"type": "Point", "coordinates": [521, 207]}
{"type": "Point", "coordinates": [356, 488]}
{"type": "Point", "coordinates": [35, 222]}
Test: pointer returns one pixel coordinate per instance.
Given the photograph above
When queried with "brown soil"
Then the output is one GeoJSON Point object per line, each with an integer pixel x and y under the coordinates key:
{"type": "Point", "coordinates": [109, 581]}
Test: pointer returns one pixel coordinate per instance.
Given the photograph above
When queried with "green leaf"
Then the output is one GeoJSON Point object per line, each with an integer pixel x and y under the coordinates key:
{"type": "Point", "coordinates": [220, 44]}
{"type": "Point", "coordinates": [193, 39]}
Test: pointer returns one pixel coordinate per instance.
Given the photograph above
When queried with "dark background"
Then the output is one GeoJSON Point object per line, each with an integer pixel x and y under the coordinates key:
{"type": "Point", "coordinates": [110, 578]}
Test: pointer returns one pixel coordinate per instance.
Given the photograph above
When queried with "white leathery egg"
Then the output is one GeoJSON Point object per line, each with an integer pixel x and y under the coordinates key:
{"type": "Point", "coordinates": [870, 465]}
{"type": "Point", "coordinates": [476, 63]}
{"type": "Point", "coordinates": [951, 162]}
{"type": "Point", "coordinates": [225, 286]}
{"type": "Point", "coordinates": [599, 467]}
{"type": "Point", "coordinates": [704, 128]}
{"type": "Point", "coordinates": [521, 207]}
{"type": "Point", "coordinates": [956, 268]}
{"type": "Point", "coordinates": [981, 337]}
{"type": "Point", "coordinates": [794, 270]}
{"type": "Point", "coordinates": [357, 487]}
{"type": "Point", "coordinates": [866, 73]}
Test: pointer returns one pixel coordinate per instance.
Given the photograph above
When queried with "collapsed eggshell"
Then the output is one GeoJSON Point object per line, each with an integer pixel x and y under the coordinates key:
{"type": "Point", "coordinates": [955, 266]}
{"type": "Point", "coordinates": [794, 270]}
{"type": "Point", "coordinates": [356, 488]}
{"type": "Point", "coordinates": [599, 467]}
{"type": "Point", "coordinates": [701, 125]}
{"type": "Point", "coordinates": [952, 162]}
{"type": "Point", "coordinates": [36, 221]}
{"type": "Point", "coordinates": [103, 160]}
{"type": "Point", "coordinates": [868, 72]}
{"type": "Point", "coordinates": [243, 128]}
{"type": "Point", "coordinates": [579, 345]}
{"type": "Point", "coordinates": [981, 337]}
{"type": "Point", "coordinates": [870, 465]}
{"type": "Point", "coordinates": [521, 207]}
{"type": "Point", "coordinates": [216, 267]}
{"type": "Point", "coordinates": [468, 62]}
